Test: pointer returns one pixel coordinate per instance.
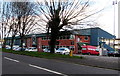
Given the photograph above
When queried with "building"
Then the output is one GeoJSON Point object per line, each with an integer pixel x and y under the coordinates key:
{"type": "Point", "coordinates": [72, 39]}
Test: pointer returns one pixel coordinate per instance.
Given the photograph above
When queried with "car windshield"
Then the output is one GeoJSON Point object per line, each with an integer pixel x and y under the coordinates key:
{"type": "Point", "coordinates": [97, 50]}
{"type": "Point", "coordinates": [116, 51]}
{"type": "Point", "coordinates": [61, 49]}
{"type": "Point", "coordinates": [110, 51]}
{"type": "Point", "coordinates": [32, 48]}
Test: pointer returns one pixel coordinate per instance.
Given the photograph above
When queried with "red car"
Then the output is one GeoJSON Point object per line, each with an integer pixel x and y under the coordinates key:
{"type": "Point", "coordinates": [90, 50]}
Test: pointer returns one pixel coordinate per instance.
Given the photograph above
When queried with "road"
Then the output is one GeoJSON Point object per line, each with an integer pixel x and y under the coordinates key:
{"type": "Point", "coordinates": [19, 64]}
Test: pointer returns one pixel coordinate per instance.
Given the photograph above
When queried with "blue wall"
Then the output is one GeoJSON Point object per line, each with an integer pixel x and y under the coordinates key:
{"type": "Point", "coordinates": [94, 37]}
{"type": "Point", "coordinates": [97, 33]}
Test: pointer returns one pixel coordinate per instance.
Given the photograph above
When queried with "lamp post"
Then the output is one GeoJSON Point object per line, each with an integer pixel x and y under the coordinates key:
{"type": "Point", "coordinates": [114, 3]}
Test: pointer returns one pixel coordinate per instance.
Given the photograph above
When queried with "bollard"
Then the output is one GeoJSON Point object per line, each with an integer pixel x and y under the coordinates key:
{"type": "Point", "coordinates": [71, 53]}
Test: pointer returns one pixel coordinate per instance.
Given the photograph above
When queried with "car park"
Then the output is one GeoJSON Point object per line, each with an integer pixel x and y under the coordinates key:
{"type": "Point", "coordinates": [31, 49]}
{"type": "Point", "coordinates": [63, 50]}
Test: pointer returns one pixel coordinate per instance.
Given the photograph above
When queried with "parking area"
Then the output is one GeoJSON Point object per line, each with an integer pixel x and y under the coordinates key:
{"type": "Point", "coordinates": [107, 59]}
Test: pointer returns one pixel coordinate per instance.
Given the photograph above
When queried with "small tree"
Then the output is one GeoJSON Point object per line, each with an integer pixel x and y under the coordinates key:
{"type": "Point", "coordinates": [6, 24]}
{"type": "Point", "coordinates": [24, 11]}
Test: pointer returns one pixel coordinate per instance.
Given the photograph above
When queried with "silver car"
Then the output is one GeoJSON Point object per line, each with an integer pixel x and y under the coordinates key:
{"type": "Point", "coordinates": [63, 50]}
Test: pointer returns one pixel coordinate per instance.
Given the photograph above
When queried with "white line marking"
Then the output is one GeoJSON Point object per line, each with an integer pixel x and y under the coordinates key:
{"type": "Point", "coordinates": [47, 70]}
{"type": "Point", "coordinates": [11, 59]}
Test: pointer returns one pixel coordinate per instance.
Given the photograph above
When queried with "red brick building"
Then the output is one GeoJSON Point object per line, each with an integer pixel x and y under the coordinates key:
{"type": "Point", "coordinates": [72, 39]}
{"type": "Point", "coordinates": [69, 40]}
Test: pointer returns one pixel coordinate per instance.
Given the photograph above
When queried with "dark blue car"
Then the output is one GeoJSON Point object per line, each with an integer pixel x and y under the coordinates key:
{"type": "Point", "coordinates": [111, 53]}
{"type": "Point", "coordinates": [114, 53]}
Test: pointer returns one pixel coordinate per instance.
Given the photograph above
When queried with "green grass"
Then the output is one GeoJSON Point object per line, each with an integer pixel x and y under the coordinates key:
{"type": "Point", "coordinates": [40, 54]}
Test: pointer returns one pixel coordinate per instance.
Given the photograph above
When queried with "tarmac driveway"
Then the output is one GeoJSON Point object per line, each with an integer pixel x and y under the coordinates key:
{"type": "Point", "coordinates": [100, 61]}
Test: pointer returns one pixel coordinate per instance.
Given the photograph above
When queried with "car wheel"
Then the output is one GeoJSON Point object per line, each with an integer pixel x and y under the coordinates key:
{"type": "Point", "coordinates": [89, 54]}
{"type": "Point", "coordinates": [63, 53]}
{"type": "Point", "coordinates": [113, 55]}
{"type": "Point", "coordinates": [97, 54]}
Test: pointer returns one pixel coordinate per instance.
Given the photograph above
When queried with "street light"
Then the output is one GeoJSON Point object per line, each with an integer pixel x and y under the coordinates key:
{"type": "Point", "coordinates": [114, 3]}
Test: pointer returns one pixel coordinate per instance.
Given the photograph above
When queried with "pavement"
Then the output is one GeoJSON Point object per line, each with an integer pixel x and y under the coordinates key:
{"type": "Point", "coordinates": [32, 66]}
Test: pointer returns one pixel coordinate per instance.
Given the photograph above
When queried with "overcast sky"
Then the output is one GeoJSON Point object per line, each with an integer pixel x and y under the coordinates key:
{"type": "Point", "coordinates": [106, 17]}
{"type": "Point", "coordinates": [106, 20]}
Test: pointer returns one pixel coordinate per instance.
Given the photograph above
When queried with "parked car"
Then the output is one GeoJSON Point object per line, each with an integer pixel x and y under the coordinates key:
{"type": "Point", "coordinates": [111, 53]}
{"type": "Point", "coordinates": [7, 47]}
{"type": "Point", "coordinates": [20, 49]}
{"type": "Point", "coordinates": [117, 53]}
{"type": "Point", "coordinates": [15, 47]}
{"type": "Point", "coordinates": [0, 46]}
{"type": "Point", "coordinates": [90, 50]}
{"type": "Point", "coordinates": [31, 49]}
{"type": "Point", "coordinates": [63, 50]}
{"type": "Point", "coordinates": [46, 50]}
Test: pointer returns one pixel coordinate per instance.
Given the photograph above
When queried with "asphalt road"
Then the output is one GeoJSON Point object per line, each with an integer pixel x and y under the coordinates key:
{"type": "Point", "coordinates": [19, 64]}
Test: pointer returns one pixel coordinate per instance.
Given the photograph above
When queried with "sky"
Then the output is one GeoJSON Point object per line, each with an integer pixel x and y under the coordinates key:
{"type": "Point", "coordinates": [106, 19]}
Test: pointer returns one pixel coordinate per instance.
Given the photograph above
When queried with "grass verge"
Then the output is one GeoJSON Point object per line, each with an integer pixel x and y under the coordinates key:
{"type": "Point", "coordinates": [40, 54]}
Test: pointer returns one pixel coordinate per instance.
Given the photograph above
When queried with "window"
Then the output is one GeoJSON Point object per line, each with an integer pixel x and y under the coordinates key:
{"type": "Point", "coordinates": [57, 38]}
{"type": "Point", "coordinates": [57, 43]}
{"type": "Point", "coordinates": [42, 38]}
{"type": "Point", "coordinates": [71, 48]}
{"type": "Point", "coordinates": [72, 42]}
{"type": "Point", "coordinates": [78, 40]}
{"type": "Point", "coordinates": [67, 46]}
{"type": "Point", "coordinates": [43, 46]}
{"type": "Point", "coordinates": [45, 38]}
{"type": "Point", "coordinates": [84, 49]}
{"type": "Point", "coordinates": [48, 42]}
{"type": "Point", "coordinates": [72, 36]}
{"type": "Point", "coordinates": [64, 37]}
{"type": "Point", "coordinates": [67, 37]}
{"type": "Point", "coordinates": [86, 37]}
{"type": "Point", "coordinates": [61, 37]}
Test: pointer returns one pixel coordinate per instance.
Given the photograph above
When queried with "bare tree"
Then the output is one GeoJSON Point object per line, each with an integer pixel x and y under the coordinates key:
{"type": "Point", "coordinates": [57, 14]}
{"type": "Point", "coordinates": [5, 19]}
{"type": "Point", "coordinates": [24, 12]}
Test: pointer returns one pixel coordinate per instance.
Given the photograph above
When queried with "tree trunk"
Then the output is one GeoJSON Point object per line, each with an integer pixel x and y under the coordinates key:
{"type": "Point", "coordinates": [22, 40]}
{"type": "Point", "coordinates": [4, 43]}
{"type": "Point", "coordinates": [54, 34]}
{"type": "Point", "coordinates": [12, 42]}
